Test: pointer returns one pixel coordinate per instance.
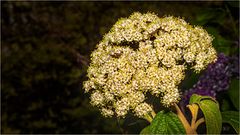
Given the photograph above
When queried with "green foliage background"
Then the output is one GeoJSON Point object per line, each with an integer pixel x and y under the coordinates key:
{"type": "Point", "coordinates": [45, 50]}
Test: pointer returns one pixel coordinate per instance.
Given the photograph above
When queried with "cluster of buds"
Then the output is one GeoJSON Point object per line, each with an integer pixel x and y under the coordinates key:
{"type": "Point", "coordinates": [145, 54]}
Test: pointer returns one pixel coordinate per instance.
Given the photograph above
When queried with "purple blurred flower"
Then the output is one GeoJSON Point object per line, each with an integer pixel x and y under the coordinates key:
{"type": "Point", "coordinates": [216, 78]}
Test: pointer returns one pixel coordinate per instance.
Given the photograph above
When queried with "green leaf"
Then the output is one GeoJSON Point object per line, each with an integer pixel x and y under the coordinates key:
{"type": "Point", "coordinates": [225, 105]}
{"type": "Point", "coordinates": [222, 45]}
{"type": "Point", "coordinates": [210, 15]}
{"type": "Point", "coordinates": [210, 109]}
{"type": "Point", "coordinates": [146, 130]}
{"type": "Point", "coordinates": [197, 98]}
{"type": "Point", "coordinates": [165, 123]}
{"type": "Point", "coordinates": [234, 93]}
{"type": "Point", "coordinates": [213, 31]}
{"type": "Point", "coordinates": [232, 118]}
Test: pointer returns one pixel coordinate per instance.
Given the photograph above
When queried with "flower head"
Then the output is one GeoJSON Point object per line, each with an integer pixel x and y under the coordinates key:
{"type": "Point", "coordinates": [145, 54]}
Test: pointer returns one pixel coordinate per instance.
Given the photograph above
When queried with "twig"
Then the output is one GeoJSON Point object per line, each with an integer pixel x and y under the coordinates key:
{"type": "Point", "coordinates": [201, 120]}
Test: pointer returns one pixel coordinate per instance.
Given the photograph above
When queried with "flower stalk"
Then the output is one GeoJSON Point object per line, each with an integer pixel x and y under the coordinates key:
{"type": "Point", "coordinates": [190, 129]}
{"type": "Point", "coordinates": [186, 125]}
{"type": "Point", "coordinates": [150, 116]}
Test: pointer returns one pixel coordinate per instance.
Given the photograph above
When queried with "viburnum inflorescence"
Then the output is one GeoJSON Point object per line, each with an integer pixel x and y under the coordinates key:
{"type": "Point", "coordinates": [145, 54]}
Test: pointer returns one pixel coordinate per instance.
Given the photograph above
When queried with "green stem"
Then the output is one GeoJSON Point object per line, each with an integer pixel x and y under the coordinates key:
{"type": "Point", "coordinates": [148, 118]}
{"type": "Point", "coordinates": [153, 114]}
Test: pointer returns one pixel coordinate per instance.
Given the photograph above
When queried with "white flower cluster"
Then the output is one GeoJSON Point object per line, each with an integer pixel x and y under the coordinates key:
{"type": "Point", "coordinates": [145, 54]}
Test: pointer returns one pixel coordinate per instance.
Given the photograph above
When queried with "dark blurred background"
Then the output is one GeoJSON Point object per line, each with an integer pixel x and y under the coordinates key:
{"type": "Point", "coordinates": [45, 51]}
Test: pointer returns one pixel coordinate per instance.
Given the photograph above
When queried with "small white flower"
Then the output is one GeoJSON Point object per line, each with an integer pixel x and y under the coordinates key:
{"type": "Point", "coordinates": [189, 57]}
{"type": "Point", "coordinates": [142, 110]}
{"type": "Point", "coordinates": [107, 112]}
{"type": "Point", "coordinates": [97, 98]}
